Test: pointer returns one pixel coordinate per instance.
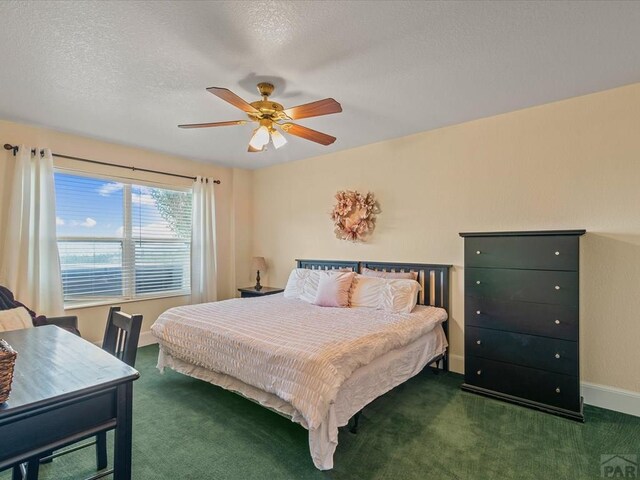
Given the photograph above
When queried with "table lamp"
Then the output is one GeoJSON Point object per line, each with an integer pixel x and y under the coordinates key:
{"type": "Point", "coordinates": [258, 264]}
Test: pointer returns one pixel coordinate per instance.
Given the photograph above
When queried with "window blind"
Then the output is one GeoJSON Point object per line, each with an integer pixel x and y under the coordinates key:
{"type": "Point", "coordinates": [120, 240]}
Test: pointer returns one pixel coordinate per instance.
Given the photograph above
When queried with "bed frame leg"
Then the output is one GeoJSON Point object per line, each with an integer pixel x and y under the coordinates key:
{"type": "Point", "coordinates": [440, 363]}
{"type": "Point", "coordinates": [356, 418]}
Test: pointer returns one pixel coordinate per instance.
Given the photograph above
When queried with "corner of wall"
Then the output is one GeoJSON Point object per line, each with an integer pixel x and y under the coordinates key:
{"type": "Point", "coordinates": [242, 225]}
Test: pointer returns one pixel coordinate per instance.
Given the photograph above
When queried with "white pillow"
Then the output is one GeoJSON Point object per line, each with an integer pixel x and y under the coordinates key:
{"type": "Point", "coordinates": [400, 295]}
{"type": "Point", "coordinates": [390, 295]}
{"type": "Point", "coordinates": [15, 319]}
{"type": "Point", "coordinates": [295, 284]}
{"type": "Point", "coordinates": [366, 291]}
{"type": "Point", "coordinates": [303, 283]}
{"type": "Point", "coordinates": [333, 290]}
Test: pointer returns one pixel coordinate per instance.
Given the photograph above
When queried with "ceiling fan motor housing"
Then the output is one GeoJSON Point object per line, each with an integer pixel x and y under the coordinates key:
{"type": "Point", "coordinates": [267, 109]}
{"type": "Point", "coordinates": [265, 89]}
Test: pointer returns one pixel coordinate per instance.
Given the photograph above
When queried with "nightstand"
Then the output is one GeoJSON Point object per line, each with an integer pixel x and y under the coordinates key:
{"type": "Point", "coordinates": [249, 292]}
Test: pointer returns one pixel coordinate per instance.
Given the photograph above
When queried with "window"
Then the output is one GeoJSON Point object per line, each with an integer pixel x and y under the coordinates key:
{"type": "Point", "coordinates": [121, 241]}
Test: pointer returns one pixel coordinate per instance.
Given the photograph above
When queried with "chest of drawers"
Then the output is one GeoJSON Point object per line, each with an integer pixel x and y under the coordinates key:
{"type": "Point", "coordinates": [522, 318]}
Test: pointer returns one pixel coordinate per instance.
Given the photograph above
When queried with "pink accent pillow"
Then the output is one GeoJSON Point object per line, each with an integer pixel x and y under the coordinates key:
{"type": "Point", "coordinates": [333, 290]}
{"type": "Point", "coordinates": [368, 272]}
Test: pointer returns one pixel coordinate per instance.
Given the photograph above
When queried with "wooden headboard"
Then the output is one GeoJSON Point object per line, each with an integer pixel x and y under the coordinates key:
{"type": "Point", "coordinates": [328, 264]}
{"type": "Point", "coordinates": [433, 278]}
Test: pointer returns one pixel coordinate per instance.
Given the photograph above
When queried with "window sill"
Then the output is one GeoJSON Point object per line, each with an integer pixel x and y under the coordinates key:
{"type": "Point", "coordinates": [116, 301]}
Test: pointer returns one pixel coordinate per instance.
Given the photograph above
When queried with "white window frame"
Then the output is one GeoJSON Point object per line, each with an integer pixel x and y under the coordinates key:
{"type": "Point", "coordinates": [127, 241]}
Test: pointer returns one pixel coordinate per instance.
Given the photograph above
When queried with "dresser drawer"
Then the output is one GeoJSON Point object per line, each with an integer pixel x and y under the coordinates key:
{"type": "Point", "coordinates": [536, 253]}
{"type": "Point", "coordinates": [553, 389]}
{"type": "Point", "coordinates": [539, 286]}
{"type": "Point", "coordinates": [554, 321]}
{"type": "Point", "coordinates": [550, 354]}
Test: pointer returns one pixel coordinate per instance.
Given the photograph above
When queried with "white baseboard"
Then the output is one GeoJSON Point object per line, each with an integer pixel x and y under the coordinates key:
{"type": "Point", "coordinates": [456, 363]}
{"type": "Point", "coordinates": [611, 398]}
{"type": "Point", "coordinates": [146, 338]}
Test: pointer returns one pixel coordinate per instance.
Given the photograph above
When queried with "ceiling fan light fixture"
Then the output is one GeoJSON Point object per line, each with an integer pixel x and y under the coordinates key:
{"type": "Point", "coordinates": [278, 139]}
{"type": "Point", "coordinates": [260, 138]}
{"type": "Point", "coordinates": [269, 115]}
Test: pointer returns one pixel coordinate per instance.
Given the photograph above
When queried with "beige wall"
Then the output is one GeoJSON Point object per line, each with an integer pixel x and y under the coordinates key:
{"type": "Point", "coordinates": [570, 164]}
{"type": "Point", "coordinates": [243, 216]}
{"type": "Point", "coordinates": [232, 212]}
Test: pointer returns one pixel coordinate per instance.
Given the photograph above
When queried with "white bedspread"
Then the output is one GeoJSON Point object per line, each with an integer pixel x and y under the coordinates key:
{"type": "Point", "coordinates": [299, 352]}
{"type": "Point", "coordinates": [365, 385]}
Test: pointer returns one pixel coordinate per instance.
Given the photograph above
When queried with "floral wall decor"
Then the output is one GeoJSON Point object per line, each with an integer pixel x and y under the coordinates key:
{"type": "Point", "coordinates": [354, 215]}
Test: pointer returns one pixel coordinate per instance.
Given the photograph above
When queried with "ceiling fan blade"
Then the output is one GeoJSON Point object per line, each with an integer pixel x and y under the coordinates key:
{"type": "Point", "coordinates": [308, 134]}
{"type": "Point", "coordinates": [214, 124]}
{"type": "Point", "coordinates": [313, 109]}
{"type": "Point", "coordinates": [228, 96]}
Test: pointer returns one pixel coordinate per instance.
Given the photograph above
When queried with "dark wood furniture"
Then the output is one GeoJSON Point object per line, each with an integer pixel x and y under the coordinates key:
{"type": "Point", "coordinates": [65, 389]}
{"type": "Point", "coordinates": [249, 292]}
{"type": "Point", "coordinates": [120, 339]}
{"type": "Point", "coordinates": [433, 278]}
{"type": "Point", "coordinates": [328, 265]}
{"type": "Point", "coordinates": [121, 335]}
{"type": "Point", "coordinates": [522, 318]}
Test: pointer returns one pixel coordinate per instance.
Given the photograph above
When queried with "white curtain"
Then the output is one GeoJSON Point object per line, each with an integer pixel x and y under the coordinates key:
{"type": "Point", "coordinates": [203, 242]}
{"type": "Point", "coordinates": [30, 262]}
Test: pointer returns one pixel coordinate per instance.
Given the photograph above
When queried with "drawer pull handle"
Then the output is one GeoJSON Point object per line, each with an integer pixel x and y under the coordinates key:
{"type": "Point", "coordinates": [557, 322]}
{"type": "Point", "coordinates": [479, 342]}
{"type": "Point", "coordinates": [478, 252]}
{"type": "Point", "coordinates": [477, 312]}
{"type": "Point", "coordinates": [557, 253]}
{"type": "Point", "coordinates": [479, 372]}
{"type": "Point", "coordinates": [558, 390]}
{"type": "Point", "coordinates": [557, 287]}
{"type": "Point", "coordinates": [557, 355]}
{"type": "Point", "coordinates": [478, 282]}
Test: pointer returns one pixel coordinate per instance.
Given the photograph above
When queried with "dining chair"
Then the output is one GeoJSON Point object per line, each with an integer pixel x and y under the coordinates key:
{"type": "Point", "coordinates": [120, 339]}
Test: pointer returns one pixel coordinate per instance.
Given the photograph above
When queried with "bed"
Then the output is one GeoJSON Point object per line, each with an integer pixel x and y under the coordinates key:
{"type": "Point", "coordinates": [317, 366]}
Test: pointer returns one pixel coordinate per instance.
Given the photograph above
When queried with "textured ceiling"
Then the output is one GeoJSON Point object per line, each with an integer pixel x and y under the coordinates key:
{"type": "Point", "coordinates": [129, 72]}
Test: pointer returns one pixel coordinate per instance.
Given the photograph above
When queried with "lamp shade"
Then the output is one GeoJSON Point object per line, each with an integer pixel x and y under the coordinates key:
{"type": "Point", "coordinates": [278, 139]}
{"type": "Point", "coordinates": [258, 264]}
{"type": "Point", "coordinates": [260, 138]}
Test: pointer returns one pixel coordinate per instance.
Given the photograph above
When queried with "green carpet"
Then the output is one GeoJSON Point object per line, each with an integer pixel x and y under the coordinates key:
{"type": "Point", "coordinates": [425, 429]}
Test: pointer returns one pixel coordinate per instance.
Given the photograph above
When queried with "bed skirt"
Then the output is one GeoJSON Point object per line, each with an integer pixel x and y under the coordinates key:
{"type": "Point", "coordinates": [366, 384]}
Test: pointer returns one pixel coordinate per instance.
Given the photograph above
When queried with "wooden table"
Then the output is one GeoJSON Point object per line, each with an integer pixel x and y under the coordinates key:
{"type": "Point", "coordinates": [64, 389]}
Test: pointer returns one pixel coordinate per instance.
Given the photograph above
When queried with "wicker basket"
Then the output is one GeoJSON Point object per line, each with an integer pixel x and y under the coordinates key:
{"type": "Point", "coordinates": [7, 362]}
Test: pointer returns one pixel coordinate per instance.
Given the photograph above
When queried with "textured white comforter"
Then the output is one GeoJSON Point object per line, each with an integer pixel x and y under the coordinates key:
{"type": "Point", "coordinates": [300, 352]}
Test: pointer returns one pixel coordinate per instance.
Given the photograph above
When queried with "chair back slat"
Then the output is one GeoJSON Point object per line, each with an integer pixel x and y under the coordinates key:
{"type": "Point", "coordinates": [121, 335]}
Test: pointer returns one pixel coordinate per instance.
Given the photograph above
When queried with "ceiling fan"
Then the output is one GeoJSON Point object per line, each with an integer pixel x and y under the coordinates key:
{"type": "Point", "coordinates": [269, 115]}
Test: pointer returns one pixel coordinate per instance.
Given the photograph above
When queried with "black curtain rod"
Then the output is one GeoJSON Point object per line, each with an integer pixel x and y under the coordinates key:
{"type": "Point", "coordinates": [8, 146]}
